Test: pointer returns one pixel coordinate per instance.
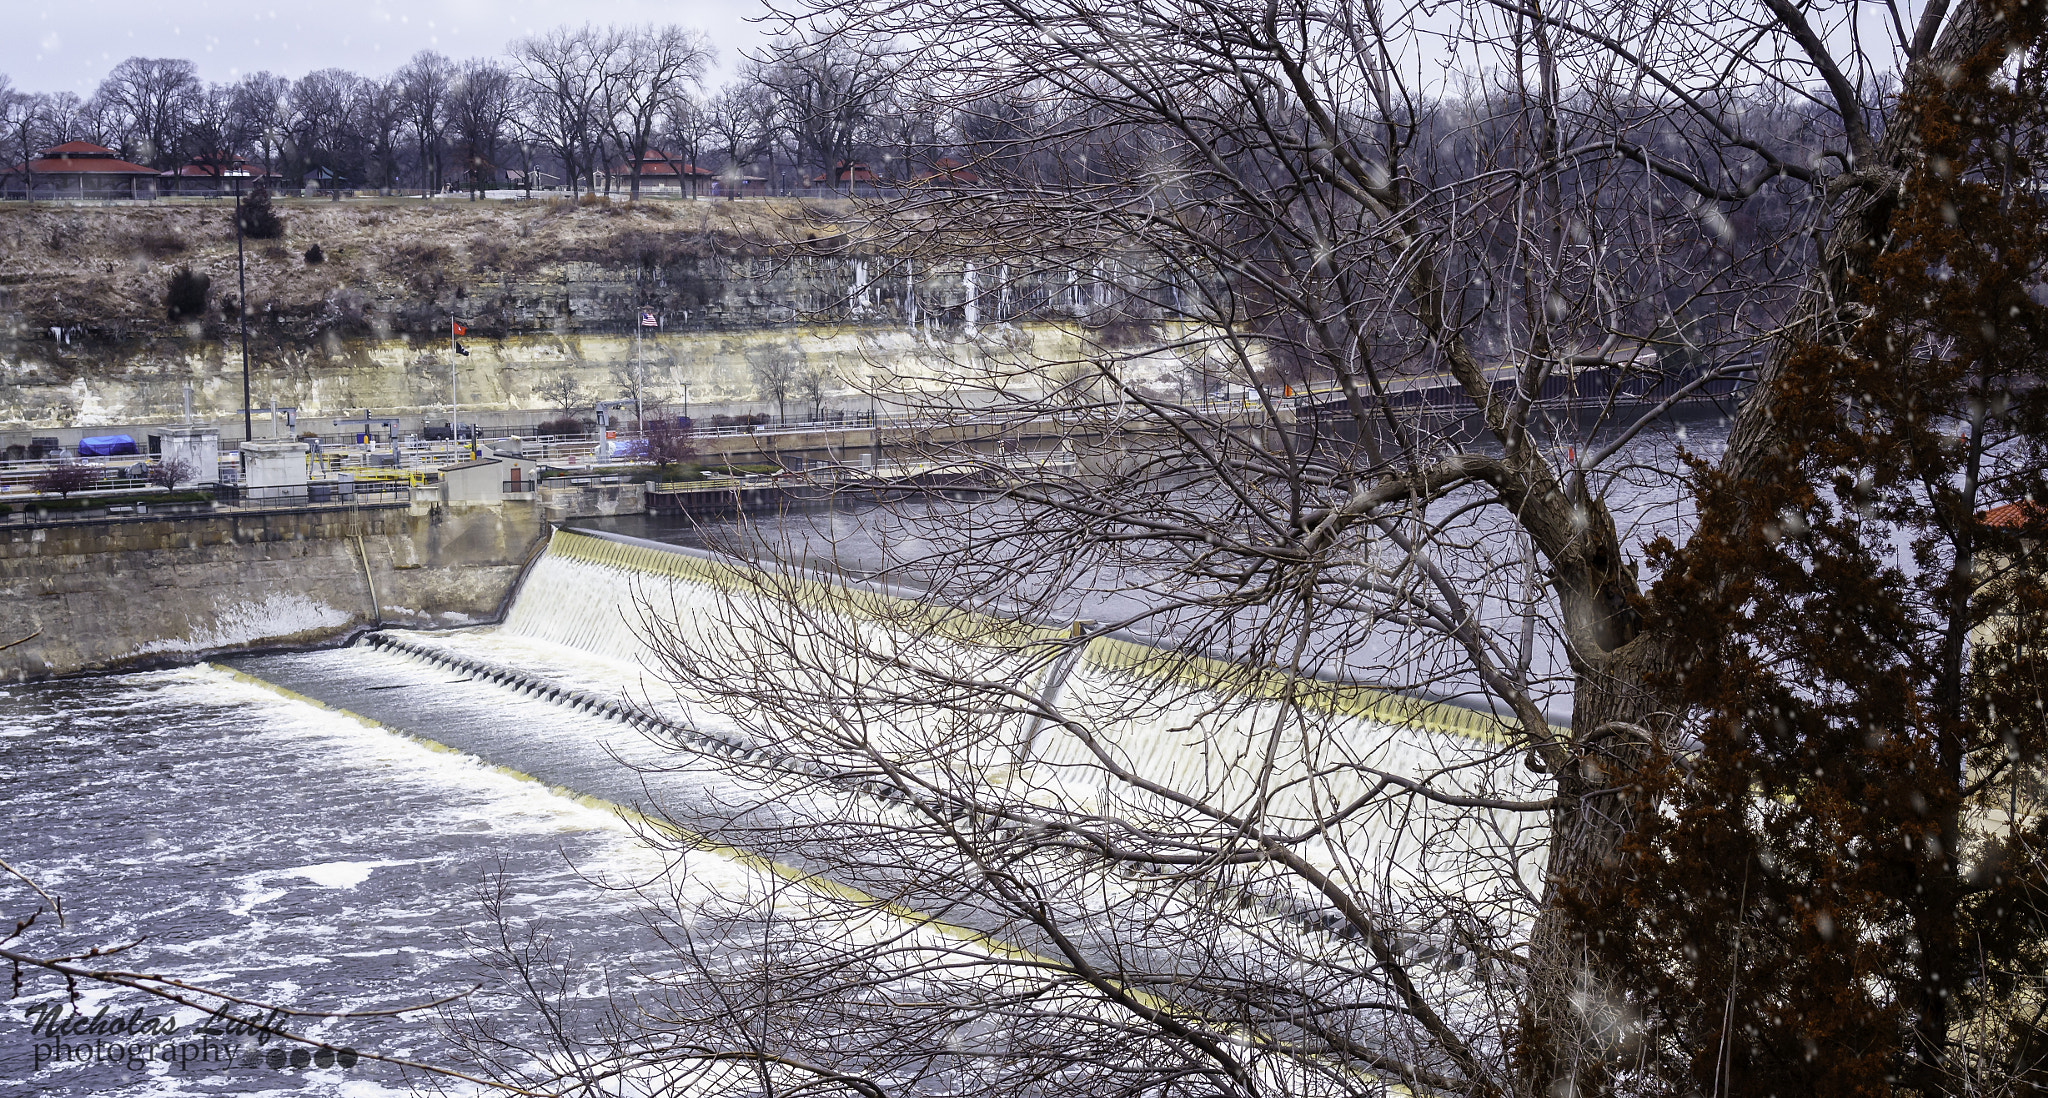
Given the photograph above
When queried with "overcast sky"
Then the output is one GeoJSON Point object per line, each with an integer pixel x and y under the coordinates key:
{"type": "Point", "coordinates": [55, 47]}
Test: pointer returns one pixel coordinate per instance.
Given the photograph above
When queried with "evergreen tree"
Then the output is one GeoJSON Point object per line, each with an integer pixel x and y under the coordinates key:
{"type": "Point", "coordinates": [1837, 899]}
{"type": "Point", "coordinates": [259, 221]}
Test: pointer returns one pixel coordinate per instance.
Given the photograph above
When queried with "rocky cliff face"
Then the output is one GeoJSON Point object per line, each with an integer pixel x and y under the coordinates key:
{"type": "Point", "coordinates": [748, 298]}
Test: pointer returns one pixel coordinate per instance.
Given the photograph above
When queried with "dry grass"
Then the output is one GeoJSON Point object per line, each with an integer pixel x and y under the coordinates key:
{"type": "Point", "coordinates": [391, 249]}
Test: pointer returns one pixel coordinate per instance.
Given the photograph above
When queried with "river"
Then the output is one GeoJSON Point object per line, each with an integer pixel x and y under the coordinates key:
{"type": "Point", "coordinates": [245, 833]}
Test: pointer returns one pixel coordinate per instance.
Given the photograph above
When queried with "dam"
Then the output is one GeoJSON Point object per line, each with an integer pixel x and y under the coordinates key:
{"type": "Point", "coordinates": [417, 789]}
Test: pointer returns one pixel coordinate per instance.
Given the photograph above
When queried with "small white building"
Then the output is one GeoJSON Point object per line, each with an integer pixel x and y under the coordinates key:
{"type": "Point", "coordinates": [193, 451]}
{"type": "Point", "coordinates": [274, 468]}
{"type": "Point", "coordinates": [498, 477]}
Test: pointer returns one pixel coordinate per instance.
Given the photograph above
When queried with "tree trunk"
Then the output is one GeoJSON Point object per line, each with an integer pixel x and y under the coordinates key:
{"type": "Point", "coordinates": [1571, 1014]}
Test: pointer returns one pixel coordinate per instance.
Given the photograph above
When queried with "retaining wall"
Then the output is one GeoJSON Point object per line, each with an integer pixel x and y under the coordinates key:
{"type": "Point", "coordinates": [94, 596]}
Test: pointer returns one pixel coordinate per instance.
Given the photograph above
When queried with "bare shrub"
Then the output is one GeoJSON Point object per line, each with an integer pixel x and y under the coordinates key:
{"type": "Point", "coordinates": [170, 472]}
{"type": "Point", "coordinates": [421, 254]}
{"type": "Point", "coordinates": [66, 479]}
{"type": "Point", "coordinates": [159, 244]}
{"type": "Point", "coordinates": [668, 442]}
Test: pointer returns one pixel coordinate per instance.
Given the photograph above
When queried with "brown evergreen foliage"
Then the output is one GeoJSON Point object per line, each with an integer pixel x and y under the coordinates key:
{"type": "Point", "coordinates": [259, 219]}
{"type": "Point", "coordinates": [1835, 900]}
{"type": "Point", "coordinates": [185, 294]}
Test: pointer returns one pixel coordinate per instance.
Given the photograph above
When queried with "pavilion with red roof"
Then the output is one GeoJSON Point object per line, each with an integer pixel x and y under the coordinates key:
{"type": "Point", "coordinates": [78, 169]}
{"type": "Point", "coordinates": [660, 170]}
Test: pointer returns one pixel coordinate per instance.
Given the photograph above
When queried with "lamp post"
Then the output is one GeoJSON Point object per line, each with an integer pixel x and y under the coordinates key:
{"type": "Point", "coordinates": [242, 310]}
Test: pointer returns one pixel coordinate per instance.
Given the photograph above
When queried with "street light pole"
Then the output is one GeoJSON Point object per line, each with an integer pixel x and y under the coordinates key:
{"type": "Point", "coordinates": [242, 309]}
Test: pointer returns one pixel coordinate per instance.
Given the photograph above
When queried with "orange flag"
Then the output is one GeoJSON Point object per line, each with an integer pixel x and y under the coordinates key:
{"type": "Point", "coordinates": [459, 329]}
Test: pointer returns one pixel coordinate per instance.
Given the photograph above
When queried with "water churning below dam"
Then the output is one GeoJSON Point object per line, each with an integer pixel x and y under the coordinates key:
{"type": "Point", "coordinates": [347, 829]}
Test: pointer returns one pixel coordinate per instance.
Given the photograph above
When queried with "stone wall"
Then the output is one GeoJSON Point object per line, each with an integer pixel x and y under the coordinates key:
{"type": "Point", "coordinates": [93, 596]}
{"type": "Point", "coordinates": [593, 500]}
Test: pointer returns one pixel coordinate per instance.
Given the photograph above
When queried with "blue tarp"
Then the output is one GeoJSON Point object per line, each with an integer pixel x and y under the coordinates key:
{"type": "Point", "coordinates": [106, 446]}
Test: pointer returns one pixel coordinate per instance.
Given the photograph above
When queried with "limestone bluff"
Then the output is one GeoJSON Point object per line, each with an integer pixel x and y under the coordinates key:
{"type": "Point", "coordinates": [547, 290]}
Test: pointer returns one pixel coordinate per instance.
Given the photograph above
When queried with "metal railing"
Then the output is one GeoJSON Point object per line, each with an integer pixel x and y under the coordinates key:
{"type": "Point", "coordinates": [316, 492]}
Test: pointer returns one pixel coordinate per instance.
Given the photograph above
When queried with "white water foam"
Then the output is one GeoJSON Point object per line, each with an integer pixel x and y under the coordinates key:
{"type": "Point", "coordinates": [242, 623]}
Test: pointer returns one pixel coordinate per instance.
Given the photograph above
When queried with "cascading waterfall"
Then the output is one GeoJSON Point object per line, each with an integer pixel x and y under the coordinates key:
{"type": "Point", "coordinates": [1155, 714]}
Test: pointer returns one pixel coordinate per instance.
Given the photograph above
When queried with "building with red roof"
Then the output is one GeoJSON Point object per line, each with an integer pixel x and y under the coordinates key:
{"type": "Point", "coordinates": [662, 172]}
{"type": "Point", "coordinates": [215, 176]}
{"type": "Point", "coordinates": [851, 174]}
{"type": "Point", "coordinates": [78, 169]}
{"type": "Point", "coordinates": [2010, 516]}
{"type": "Point", "coordinates": [2005, 568]}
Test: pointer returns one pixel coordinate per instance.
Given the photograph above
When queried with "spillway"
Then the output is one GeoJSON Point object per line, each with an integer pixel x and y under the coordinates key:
{"type": "Point", "coordinates": [245, 830]}
{"type": "Point", "coordinates": [602, 623]}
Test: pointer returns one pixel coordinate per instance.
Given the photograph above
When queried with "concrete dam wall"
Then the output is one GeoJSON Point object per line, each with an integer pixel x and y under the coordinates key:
{"type": "Point", "coordinates": [1202, 729]}
{"type": "Point", "coordinates": [93, 596]}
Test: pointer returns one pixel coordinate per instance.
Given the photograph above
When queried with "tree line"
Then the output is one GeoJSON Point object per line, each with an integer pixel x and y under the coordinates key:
{"type": "Point", "coordinates": [575, 107]}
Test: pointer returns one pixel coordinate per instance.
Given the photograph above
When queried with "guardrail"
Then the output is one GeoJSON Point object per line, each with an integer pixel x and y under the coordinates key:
{"type": "Point", "coordinates": [332, 491]}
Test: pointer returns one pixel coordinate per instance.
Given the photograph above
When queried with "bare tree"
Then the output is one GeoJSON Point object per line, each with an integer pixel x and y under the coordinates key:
{"type": "Point", "coordinates": [26, 127]}
{"type": "Point", "coordinates": [321, 126]}
{"type": "Point", "coordinates": [742, 117]}
{"type": "Point", "coordinates": [910, 136]}
{"type": "Point", "coordinates": [481, 104]}
{"type": "Point", "coordinates": [260, 103]}
{"type": "Point", "coordinates": [830, 90]}
{"type": "Point", "coordinates": [775, 378]}
{"type": "Point", "coordinates": [425, 81]}
{"type": "Point", "coordinates": [811, 383]}
{"type": "Point", "coordinates": [563, 73]}
{"type": "Point", "coordinates": [1458, 321]}
{"type": "Point", "coordinates": [154, 95]}
{"type": "Point", "coordinates": [379, 111]}
{"type": "Point", "coordinates": [214, 132]}
{"type": "Point", "coordinates": [562, 392]}
{"type": "Point", "coordinates": [641, 85]}
{"type": "Point", "coordinates": [687, 128]}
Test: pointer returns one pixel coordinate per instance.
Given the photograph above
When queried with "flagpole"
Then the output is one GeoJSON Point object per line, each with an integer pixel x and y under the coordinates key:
{"type": "Point", "coordinates": [453, 399]}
